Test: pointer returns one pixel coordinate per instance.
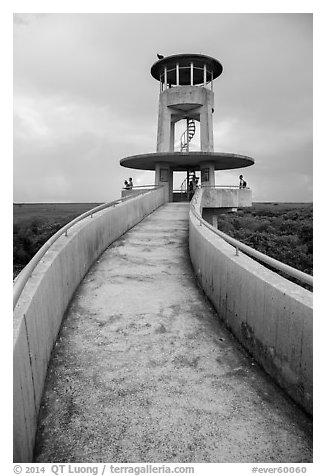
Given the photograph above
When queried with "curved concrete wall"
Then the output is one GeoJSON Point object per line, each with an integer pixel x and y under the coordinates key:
{"type": "Point", "coordinates": [195, 95]}
{"type": "Point", "coordinates": [44, 300]}
{"type": "Point", "coordinates": [270, 316]}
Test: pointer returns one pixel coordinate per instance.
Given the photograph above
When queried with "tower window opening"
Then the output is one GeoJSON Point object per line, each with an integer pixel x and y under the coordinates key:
{"type": "Point", "coordinates": [190, 75]}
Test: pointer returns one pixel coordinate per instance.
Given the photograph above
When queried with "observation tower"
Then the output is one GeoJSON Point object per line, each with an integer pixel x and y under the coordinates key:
{"type": "Point", "coordinates": [186, 93]}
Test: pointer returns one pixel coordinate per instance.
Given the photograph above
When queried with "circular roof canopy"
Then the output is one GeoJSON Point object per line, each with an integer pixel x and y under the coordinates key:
{"type": "Point", "coordinates": [182, 161]}
{"type": "Point", "coordinates": [184, 61]}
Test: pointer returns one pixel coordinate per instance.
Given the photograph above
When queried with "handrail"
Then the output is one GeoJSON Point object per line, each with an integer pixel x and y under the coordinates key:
{"type": "Point", "coordinates": [26, 272]}
{"type": "Point", "coordinates": [233, 187]}
{"type": "Point", "coordinates": [141, 186]}
{"type": "Point", "coordinates": [184, 185]}
{"type": "Point", "coordinates": [225, 186]}
{"type": "Point", "coordinates": [289, 270]}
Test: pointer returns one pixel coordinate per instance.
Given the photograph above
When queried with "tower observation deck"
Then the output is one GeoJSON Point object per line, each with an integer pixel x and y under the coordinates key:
{"type": "Point", "coordinates": [186, 93]}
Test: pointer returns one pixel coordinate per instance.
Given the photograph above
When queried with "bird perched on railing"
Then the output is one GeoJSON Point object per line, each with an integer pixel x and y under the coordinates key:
{"type": "Point", "coordinates": [159, 56]}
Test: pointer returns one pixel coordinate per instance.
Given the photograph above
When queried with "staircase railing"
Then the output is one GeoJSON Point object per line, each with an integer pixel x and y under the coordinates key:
{"type": "Point", "coordinates": [183, 186]}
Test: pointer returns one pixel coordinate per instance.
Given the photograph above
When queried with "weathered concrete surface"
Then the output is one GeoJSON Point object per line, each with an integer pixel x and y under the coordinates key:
{"type": "Point", "coordinates": [271, 316]}
{"type": "Point", "coordinates": [44, 300]}
{"type": "Point", "coordinates": [145, 372]}
{"type": "Point", "coordinates": [226, 197]}
{"type": "Point", "coordinates": [173, 103]}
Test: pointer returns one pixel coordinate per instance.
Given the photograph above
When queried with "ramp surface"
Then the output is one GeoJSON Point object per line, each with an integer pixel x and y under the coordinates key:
{"type": "Point", "coordinates": [144, 371]}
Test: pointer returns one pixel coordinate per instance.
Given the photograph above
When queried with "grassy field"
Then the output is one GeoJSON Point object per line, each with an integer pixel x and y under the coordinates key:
{"type": "Point", "coordinates": [281, 205]}
{"type": "Point", "coordinates": [280, 230]}
{"type": "Point", "coordinates": [283, 231]}
{"type": "Point", "coordinates": [54, 212]}
{"type": "Point", "coordinates": [35, 223]}
{"type": "Point", "coordinates": [27, 212]}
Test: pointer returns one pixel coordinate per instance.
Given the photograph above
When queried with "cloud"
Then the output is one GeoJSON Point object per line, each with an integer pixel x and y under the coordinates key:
{"type": "Point", "coordinates": [84, 98]}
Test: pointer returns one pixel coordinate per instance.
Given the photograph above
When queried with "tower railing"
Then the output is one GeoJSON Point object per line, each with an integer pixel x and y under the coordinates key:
{"type": "Point", "coordinates": [207, 76]}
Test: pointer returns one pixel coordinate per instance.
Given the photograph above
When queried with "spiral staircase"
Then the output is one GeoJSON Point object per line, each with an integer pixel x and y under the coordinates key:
{"type": "Point", "coordinates": [187, 135]}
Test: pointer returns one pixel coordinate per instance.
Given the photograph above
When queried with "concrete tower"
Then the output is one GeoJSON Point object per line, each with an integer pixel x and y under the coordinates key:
{"type": "Point", "coordinates": [186, 92]}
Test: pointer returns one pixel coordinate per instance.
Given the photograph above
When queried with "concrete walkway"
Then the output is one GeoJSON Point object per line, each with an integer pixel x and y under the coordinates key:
{"type": "Point", "coordinates": [144, 371]}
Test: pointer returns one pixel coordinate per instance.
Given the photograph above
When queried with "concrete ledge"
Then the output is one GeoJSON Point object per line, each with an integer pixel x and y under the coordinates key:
{"type": "Point", "coordinates": [271, 316]}
{"type": "Point", "coordinates": [134, 192]}
{"type": "Point", "coordinates": [44, 300]}
{"type": "Point", "coordinates": [226, 197]}
{"type": "Point", "coordinates": [190, 95]}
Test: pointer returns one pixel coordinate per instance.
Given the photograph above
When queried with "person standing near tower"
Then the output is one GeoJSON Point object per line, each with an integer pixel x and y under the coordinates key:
{"type": "Point", "coordinates": [243, 183]}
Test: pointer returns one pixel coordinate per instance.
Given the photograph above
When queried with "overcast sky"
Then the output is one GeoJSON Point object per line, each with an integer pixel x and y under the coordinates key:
{"type": "Point", "coordinates": [84, 98]}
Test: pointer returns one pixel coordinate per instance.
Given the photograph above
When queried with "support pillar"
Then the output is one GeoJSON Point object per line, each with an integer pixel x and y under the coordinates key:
{"type": "Point", "coordinates": [165, 129]}
{"type": "Point", "coordinates": [206, 129]}
{"type": "Point", "coordinates": [172, 136]}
